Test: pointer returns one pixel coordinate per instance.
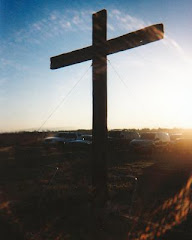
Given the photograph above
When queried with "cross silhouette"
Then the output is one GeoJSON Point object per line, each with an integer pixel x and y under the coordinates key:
{"type": "Point", "coordinates": [98, 52]}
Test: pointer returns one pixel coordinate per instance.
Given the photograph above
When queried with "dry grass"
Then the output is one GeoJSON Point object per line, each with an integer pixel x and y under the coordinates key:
{"type": "Point", "coordinates": [47, 195]}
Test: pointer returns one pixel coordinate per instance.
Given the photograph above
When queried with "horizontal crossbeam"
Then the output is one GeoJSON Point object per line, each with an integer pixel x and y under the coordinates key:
{"type": "Point", "coordinates": [131, 40]}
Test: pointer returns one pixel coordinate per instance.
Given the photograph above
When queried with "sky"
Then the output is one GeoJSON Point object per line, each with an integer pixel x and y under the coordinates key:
{"type": "Point", "coordinates": [149, 86]}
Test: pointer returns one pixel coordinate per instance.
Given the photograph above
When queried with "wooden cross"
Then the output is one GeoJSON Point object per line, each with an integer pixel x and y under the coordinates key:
{"type": "Point", "coordinates": [98, 52]}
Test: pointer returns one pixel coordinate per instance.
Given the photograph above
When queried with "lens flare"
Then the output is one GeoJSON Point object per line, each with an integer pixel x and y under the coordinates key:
{"type": "Point", "coordinates": [171, 213]}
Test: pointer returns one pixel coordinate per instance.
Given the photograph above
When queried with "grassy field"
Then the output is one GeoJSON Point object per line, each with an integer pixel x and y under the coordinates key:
{"type": "Point", "coordinates": [47, 194]}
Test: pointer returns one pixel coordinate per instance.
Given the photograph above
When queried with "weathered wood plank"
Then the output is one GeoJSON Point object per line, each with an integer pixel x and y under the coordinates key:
{"type": "Point", "coordinates": [135, 39]}
{"type": "Point", "coordinates": [125, 42]}
{"type": "Point", "coordinates": [67, 59]}
{"type": "Point", "coordinates": [99, 159]}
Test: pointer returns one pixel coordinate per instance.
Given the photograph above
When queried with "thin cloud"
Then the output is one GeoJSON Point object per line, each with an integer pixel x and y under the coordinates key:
{"type": "Point", "coordinates": [123, 21]}
{"type": "Point", "coordinates": [174, 45]}
{"type": "Point", "coordinates": [59, 23]}
{"type": "Point", "coordinates": [12, 64]}
{"type": "Point", "coordinates": [126, 23]}
{"type": "Point", "coordinates": [53, 25]}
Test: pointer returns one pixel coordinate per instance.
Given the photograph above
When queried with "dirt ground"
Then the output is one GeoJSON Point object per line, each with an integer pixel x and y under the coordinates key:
{"type": "Point", "coordinates": [46, 194]}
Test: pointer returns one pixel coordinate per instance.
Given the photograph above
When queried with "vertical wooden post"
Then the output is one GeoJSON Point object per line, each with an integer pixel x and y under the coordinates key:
{"type": "Point", "coordinates": [98, 53]}
{"type": "Point", "coordinates": [99, 158]}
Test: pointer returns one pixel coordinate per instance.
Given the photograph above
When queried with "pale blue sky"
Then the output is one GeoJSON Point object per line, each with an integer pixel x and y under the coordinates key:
{"type": "Point", "coordinates": [154, 87]}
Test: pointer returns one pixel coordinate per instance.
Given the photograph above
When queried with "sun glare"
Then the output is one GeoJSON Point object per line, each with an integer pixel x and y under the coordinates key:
{"type": "Point", "coordinates": [179, 97]}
